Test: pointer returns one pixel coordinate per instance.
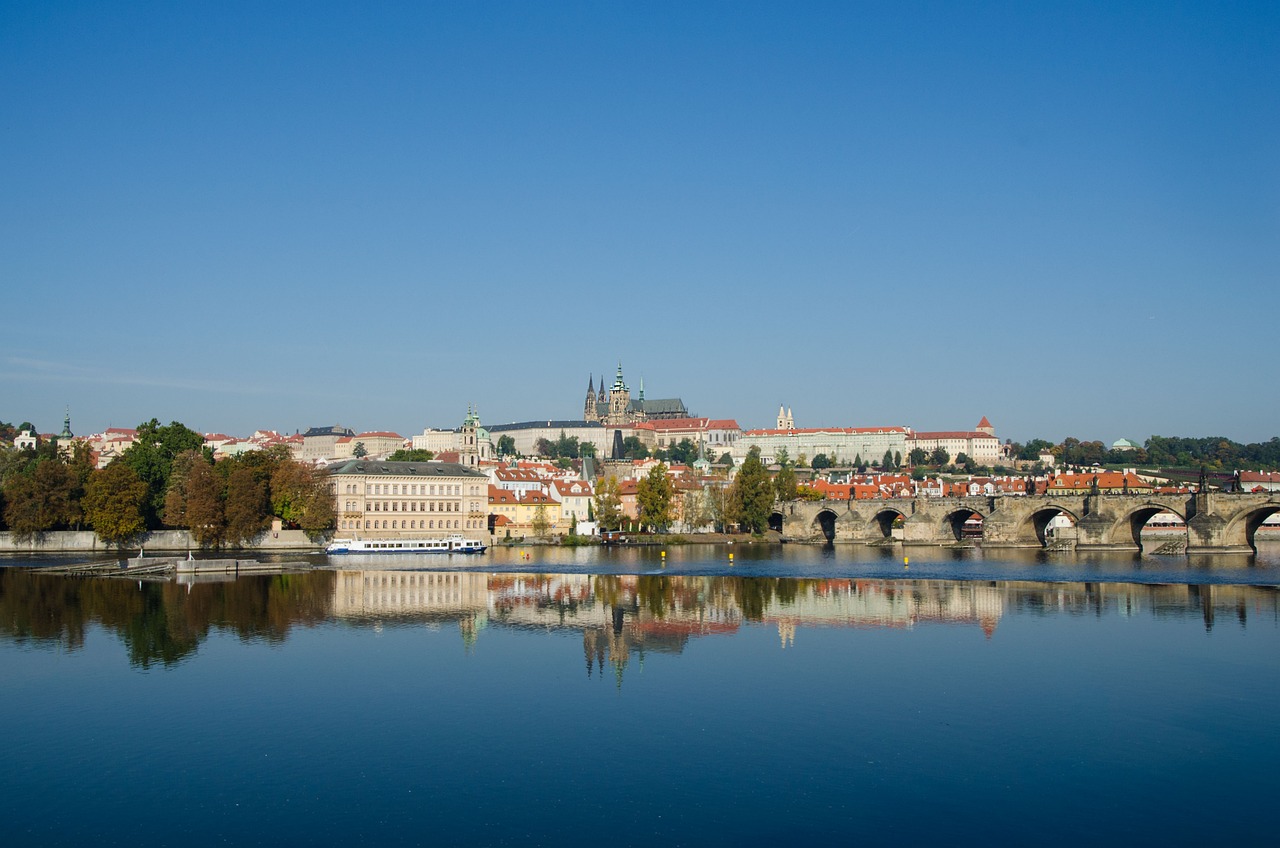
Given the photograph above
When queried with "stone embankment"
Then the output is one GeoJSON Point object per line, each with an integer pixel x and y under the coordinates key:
{"type": "Point", "coordinates": [87, 542]}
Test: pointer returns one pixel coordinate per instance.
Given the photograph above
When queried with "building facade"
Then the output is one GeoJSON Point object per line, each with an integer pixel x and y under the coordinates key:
{"type": "Point", "coordinates": [403, 500]}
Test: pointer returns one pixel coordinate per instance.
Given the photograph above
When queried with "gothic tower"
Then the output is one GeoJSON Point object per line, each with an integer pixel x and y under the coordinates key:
{"type": "Point", "coordinates": [619, 399]}
{"type": "Point", "coordinates": [589, 408]}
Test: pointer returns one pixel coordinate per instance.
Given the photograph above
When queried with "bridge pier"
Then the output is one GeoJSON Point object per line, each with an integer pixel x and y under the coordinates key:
{"type": "Point", "coordinates": [1216, 522]}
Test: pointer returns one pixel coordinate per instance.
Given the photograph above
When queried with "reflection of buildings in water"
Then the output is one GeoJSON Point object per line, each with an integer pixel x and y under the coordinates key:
{"type": "Point", "coordinates": [878, 603]}
{"type": "Point", "coordinates": [1157, 600]}
{"type": "Point", "coordinates": [368, 594]}
{"type": "Point", "coordinates": [625, 616]}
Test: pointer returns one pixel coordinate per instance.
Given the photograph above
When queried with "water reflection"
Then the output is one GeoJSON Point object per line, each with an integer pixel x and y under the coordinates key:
{"type": "Point", "coordinates": [617, 616]}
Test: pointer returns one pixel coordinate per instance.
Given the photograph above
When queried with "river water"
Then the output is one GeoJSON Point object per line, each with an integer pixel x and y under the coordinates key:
{"type": "Point", "coordinates": [588, 696]}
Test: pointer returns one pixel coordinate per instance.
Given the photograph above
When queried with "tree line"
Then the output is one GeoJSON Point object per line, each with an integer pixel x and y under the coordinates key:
{"type": "Point", "coordinates": [1213, 452]}
{"type": "Point", "coordinates": [166, 479]}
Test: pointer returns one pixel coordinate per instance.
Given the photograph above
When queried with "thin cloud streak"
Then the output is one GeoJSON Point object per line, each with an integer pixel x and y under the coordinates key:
{"type": "Point", "coordinates": [36, 370]}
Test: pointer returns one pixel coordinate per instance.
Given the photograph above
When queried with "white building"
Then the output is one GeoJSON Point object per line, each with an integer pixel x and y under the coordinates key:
{"type": "Point", "coordinates": [842, 445]}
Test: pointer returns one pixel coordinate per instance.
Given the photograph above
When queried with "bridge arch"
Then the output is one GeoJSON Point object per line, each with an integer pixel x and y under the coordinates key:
{"type": "Point", "coordinates": [882, 522]}
{"type": "Point", "coordinates": [775, 520]}
{"type": "Point", "coordinates": [1130, 524]}
{"type": "Point", "coordinates": [1035, 527]}
{"type": "Point", "coordinates": [825, 523]}
{"type": "Point", "coordinates": [1242, 529]}
{"type": "Point", "coordinates": [954, 522]}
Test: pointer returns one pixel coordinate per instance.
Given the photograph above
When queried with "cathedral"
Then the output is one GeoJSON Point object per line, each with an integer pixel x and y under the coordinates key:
{"type": "Point", "coordinates": [616, 406]}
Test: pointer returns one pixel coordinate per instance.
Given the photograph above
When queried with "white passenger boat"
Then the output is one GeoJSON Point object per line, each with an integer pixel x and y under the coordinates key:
{"type": "Point", "coordinates": [454, 544]}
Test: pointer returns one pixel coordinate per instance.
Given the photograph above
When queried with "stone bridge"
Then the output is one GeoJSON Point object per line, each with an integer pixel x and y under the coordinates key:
{"type": "Point", "coordinates": [1216, 521]}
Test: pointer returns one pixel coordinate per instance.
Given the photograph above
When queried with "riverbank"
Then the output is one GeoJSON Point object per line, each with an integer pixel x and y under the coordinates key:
{"type": "Point", "coordinates": [166, 541]}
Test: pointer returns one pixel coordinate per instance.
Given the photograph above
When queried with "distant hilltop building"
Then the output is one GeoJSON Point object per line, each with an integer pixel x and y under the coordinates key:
{"type": "Point", "coordinates": [616, 407]}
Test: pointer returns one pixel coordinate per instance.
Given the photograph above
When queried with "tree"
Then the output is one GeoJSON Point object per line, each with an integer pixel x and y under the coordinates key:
{"type": "Point", "coordinates": [245, 507]}
{"type": "Point", "coordinates": [695, 509]}
{"type": "Point", "coordinates": [608, 503]}
{"type": "Point", "coordinates": [151, 458]}
{"type": "Point", "coordinates": [940, 457]}
{"type": "Point", "coordinates": [751, 495]}
{"type": "Point", "coordinates": [897, 460]}
{"type": "Point", "coordinates": [820, 461]}
{"type": "Point", "coordinates": [114, 499]}
{"type": "Point", "coordinates": [541, 523]}
{"type": "Point", "coordinates": [918, 456]}
{"type": "Point", "coordinates": [203, 511]}
{"type": "Point", "coordinates": [359, 451]}
{"type": "Point", "coordinates": [725, 459]}
{"type": "Point", "coordinates": [411, 455]}
{"type": "Point", "coordinates": [654, 495]}
{"type": "Point", "coordinates": [506, 446]}
{"type": "Point", "coordinates": [784, 484]}
{"type": "Point", "coordinates": [683, 453]}
{"type": "Point", "coordinates": [633, 448]}
{"type": "Point", "coordinates": [300, 497]}
{"type": "Point", "coordinates": [40, 498]}
{"type": "Point", "coordinates": [783, 458]}
{"type": "Point", "coordinates": [887, 462]}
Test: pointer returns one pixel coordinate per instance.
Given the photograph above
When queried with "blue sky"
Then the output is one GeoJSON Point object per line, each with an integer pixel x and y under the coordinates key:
{"type": "Point", "coordinates": [1065, 217]}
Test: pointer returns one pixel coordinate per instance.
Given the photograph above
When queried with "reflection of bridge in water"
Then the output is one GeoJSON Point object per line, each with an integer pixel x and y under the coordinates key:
{"type": "Point", "coordinates": [1215, 522]}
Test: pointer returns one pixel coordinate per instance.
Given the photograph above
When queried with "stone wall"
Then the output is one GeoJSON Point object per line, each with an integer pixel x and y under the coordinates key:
{"type": "Point", "coordinates": [85, 541]}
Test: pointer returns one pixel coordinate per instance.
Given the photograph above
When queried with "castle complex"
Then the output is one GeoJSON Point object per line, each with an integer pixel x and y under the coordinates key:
{"type": "Point", "coordinates": [616, 407]}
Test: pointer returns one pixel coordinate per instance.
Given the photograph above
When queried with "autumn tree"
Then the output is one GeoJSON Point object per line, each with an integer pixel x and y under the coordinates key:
{"type": "Point", "coordinates": [655, 497]}
{"type": "Point", "coordinates": [608, 504]}
{"type": "Point", "coordinates": [245, 507]}
{"type": "Point", "coordinates": [541, 523]}
{"type": "Point", "coordinates": [114, 499]}
{"type": "Point", "coordinates": [40, 498]}
{"type": "Point", "coordinates": [203, 490]}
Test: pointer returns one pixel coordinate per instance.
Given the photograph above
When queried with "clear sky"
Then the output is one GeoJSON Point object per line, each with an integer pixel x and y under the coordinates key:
{"type": "Point", "coordinates": [1065, 216]}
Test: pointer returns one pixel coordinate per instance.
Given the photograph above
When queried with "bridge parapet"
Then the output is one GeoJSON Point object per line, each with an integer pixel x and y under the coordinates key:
{"type": "Point", "coordinates": [1216, 521]}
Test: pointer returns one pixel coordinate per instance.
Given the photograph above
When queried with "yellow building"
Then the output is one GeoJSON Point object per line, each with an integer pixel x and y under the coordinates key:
{"type": "Point", "coordinates": [403, 500]}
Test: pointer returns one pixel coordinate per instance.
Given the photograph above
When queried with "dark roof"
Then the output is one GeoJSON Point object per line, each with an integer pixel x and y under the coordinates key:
{"type": "Point", "coordinates": [529, 425]}
{"type": "Point", "coordinates": [660, 406]}
{"type": "Point", "coordinates": [419, 469]}
{"type": "Point", "coordinates": [329, 431]}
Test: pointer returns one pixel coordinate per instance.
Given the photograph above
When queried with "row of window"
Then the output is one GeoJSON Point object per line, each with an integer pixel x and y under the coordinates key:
{"type": "Point", "coordinates": [423, 489]}
{"type": "Point", "coordinates": [413, 524]}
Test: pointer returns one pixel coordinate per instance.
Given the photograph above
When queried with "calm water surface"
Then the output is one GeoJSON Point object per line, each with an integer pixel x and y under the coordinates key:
{"type": "Point", "coordinates": [589, 697]}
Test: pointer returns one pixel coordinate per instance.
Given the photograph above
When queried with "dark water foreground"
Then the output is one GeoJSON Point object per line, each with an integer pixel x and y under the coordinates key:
{"type": "Point", "coordinates": [636, 704]}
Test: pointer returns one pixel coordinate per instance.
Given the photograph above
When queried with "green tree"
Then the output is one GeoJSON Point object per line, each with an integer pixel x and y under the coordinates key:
{"type": "Point", "coordinates": [784, 484]}
{"type": "Point", "coordinates": [887, 461]}
{"type": "Point", "coordinates": [897, 460]}
{"type": "Point", "coordinates": [114, 499]}
{"type": "Point", "coordinates": [820, 461]}
{"type": "Point", "coordinates": [151, 458]}
{"type": "Point", "coordinates": [608, 503]}
{"type": "Point", "coordinates": [411, 455]}
{"type": "Point", "coordinates": [783, 458]}
{"type": "Point", "coordinates": [725, 459]}
{"type": "Point", "coordinates": [655, 496]}
{"type": "Point", "coordinates": [940, 457]}
{"type": "Point", "coordinates": [359, 451]}
{"type": "Point", "coordinates": [506, 446]}
{"type": "Point", "coordinates": [40, 498]}
{"type": "Point", "coordinates": [751, 496]}
{"type": "Point", "coordinates": [918, 456]}
{"type": "Point", "coordinates": [633, 448]}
